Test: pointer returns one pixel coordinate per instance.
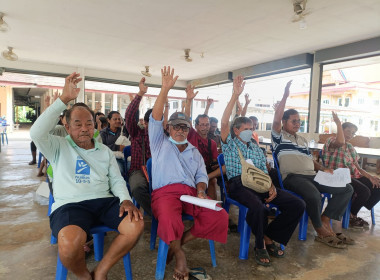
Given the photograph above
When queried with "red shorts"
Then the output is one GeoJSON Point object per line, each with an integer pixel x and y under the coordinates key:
{"type": "Point", "coordinates": [168, 208]}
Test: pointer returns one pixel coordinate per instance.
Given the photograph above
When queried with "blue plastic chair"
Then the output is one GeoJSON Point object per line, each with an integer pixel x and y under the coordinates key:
{"type": "Point", "coordinates": [305, 217]}
{"type": "Point", "coordinates": [162, 246]}
{"type": "Point", "coordinates": [346, 216]}
{"type": "Point", "coordinates": [98, 233]}
{"type": "Point", "coordinates": [4, 135]}
{"type": "Point", "coordinates": [39, 159]}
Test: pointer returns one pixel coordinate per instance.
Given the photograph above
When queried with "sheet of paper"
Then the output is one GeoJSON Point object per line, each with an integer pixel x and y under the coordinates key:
{"type": "Point", "coordinates": [207, 203]}
{"type": "Point", "coordinates": [339, 179]}
{"type": "Point", "coordinates": [43, 189]}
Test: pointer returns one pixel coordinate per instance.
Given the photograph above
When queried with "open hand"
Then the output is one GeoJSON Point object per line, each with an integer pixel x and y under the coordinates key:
{"type": "Point", "coordinates": [70, 90]}
{"type": "Point", "coordinates": [56, 95]}
{"type": "Point", "coordinates": [190, 95]}
{"type": "Point", "coordinates": [128, 206]}
{"type": "Point", "coordinates": [247, 100]}
{"type": "Point", "coordinates": [335, 118]}
{"type": "Point", "coordinates": [272, 194]}
{"type": "Point", "coordinates": [375, 182]}
{"type": "Point", "coordinates": [143, 88]}
{"type": "Point", "coordinates": [238, 85]}
{"type": "Point", "coordinates": [286, 92]}
{"type": "Point", "coordinates": [168, 78]}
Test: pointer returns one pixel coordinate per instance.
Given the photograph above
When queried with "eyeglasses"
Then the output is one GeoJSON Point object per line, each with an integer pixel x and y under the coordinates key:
{"type": "Point", "coordinates": [296, 121]}
{"type": "Point", "coordinates": [184, 128]}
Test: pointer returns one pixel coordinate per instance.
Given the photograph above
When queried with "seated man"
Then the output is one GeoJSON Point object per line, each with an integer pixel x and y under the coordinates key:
{"type": "Point", "coordinates": [140, 149]}
{"type": "Point", "coordinates": [178, 169]}
{"type": "Point", "coordinates": [239, 137]}
{"type": "Point", "coordinates": [207, 147]}
{"type": "Point", "coordinates": [213, 126]}
{"type": "Point", "coordinates": [88, 189]}
{"type": "Point", "coordinates": [339, 153]}
{"type": "Point", "coordinates": [298, 170]}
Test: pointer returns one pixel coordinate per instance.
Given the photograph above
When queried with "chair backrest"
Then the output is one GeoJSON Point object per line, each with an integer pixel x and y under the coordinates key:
{"type": "Point", "coordinates": [277, 167]}
{"type": "Point", "coordinates": [149, 170]}
{"type": "Point", "coordinates": [223, 190]}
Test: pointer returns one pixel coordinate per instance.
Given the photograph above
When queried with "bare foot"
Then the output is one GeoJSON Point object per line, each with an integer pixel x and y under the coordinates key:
{"type": "Point", "coordinates": [180, 271]}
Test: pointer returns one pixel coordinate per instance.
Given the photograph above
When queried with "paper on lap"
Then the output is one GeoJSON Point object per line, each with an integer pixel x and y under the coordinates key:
{"type": "Point", "coordinates": [206, 203]}
{"type": "Point", "coordinates": [339, 179]}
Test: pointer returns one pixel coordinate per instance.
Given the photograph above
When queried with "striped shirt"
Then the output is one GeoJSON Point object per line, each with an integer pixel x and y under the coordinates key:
{"type": "Point", "coordinates": [292, 153]}
{"type": "Point", "coordinates": [343, 157]}
{"type": "Point", "coordinates": [249, 151]}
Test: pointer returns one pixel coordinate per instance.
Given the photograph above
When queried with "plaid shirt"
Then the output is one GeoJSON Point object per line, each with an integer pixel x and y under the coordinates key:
{"type": "Point", "coordinates": [341, 157]}
{"type": "Point", "coordinates": [249, 151]}
{"type": "Point", "coordinates": [136, 135]}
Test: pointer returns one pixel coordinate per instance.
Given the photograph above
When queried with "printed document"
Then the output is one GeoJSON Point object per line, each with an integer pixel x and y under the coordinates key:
{"type": "Point", "coordinates": [207, 203]}
{"type": "Point", "coordinates": [340, 178]}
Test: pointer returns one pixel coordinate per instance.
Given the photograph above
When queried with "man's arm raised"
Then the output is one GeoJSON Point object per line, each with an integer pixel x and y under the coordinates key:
{"type": "Point", "coordinates": [279, 112]}
{"type": "Point", "coordinates": [238, 87]}
{"type": "Point", "coordinates": [190, 95]}
{"type": "Point", "coordinates": [168, 81]}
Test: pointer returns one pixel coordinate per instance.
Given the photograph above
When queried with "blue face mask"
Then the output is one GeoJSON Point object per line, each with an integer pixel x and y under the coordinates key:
{"type": "Point", "coordinates": [177, 143]}
{"type": "Point", "coordinates": [246, 135]}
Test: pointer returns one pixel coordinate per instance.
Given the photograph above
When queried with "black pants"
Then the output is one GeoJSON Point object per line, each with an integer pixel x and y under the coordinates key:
{"type": "Point", "coordinates": [364, 195]}
{"type": "Point", "coordinates": [33, 147]}
{"type": "Point", "coordinates": [282, 227]}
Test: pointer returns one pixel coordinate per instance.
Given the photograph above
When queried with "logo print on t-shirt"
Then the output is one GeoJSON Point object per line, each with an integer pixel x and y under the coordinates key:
{"type": "Point", "coordinates": [82, 167]}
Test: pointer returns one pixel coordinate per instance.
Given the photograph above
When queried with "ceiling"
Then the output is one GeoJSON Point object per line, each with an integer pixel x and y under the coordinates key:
{"type": "Point", "coordinates": [126, 35]}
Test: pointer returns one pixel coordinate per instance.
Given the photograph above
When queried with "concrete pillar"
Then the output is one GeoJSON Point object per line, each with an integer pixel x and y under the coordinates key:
{"type": "Point", "coordinates": [316, 80]}
{"type": "Point", "coordinates": [114, 102]}
{"type": "Point", "coordinates": [81, 84]}
{"type": "Point", "coordinates": [93, 101]}
{"type": "Point", "coordinates": [103, 102]}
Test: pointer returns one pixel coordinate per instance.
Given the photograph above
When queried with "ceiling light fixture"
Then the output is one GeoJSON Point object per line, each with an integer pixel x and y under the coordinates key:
{"type": "Point", "coordinates": [9, 54]}
{"type": "Point", "coordinates": [4, 27]}
{"type": "Point", "coordinates": [146, 72]}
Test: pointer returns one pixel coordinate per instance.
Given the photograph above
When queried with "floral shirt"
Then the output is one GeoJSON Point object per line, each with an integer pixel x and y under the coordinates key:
{"type": "Point", "coordinates": [343, 157]}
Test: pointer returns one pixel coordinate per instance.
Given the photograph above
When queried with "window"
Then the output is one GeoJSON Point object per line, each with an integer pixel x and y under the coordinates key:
{"type": "Point", "coordinates": [346, 102]}
{"type": "Point", "coordinates": [353, 89]}
{"type": "Point", "coordinates": [175, 105]}
{"type": "Point", "coordinates": [326, 101]}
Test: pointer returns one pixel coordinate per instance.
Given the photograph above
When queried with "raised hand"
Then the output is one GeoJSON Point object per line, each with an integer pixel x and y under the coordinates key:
{"type": "Point", "coordinates": [275, 105]}
{"type": "Point", "coordinates": [209, 101]}
{"type": "Point", "coordinates": [335, 118]}
{"type": "Point", "coordinates": [247, 100]}
{"type": "Point", "coordinates": [56, 95]}
{"type": "Point", "coordinates": [70, 90]}
{"type": "Point", "coordinates": [98, 106]}
{"type": "Point", "coordinates": [190, 95]}
{"type": "Point", "coordinates": [47, 101]}
{"type": "Point", "coordinates": [286, 92]}
{"type": "Point", "coordinates": [238, 85]}
{"type": "Point", "coordinates": [168, 78]}
{"type": "Point", "coordinates": [239, 108]}
{"type": "Point", "coordinates": [143, 88]}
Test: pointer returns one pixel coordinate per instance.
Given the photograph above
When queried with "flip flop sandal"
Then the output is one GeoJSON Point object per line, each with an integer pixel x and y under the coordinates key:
{"type": "Point", "coordinates": [331, 241]}
{"type": "Point", "coordinates": [262, 254]}
{"type": "Point", "coordinates": [274, 249]}
{"type": "Point", "coordinates": [346, 240]}
{"type": "Point", "coordinates": [364, 222]}
{"type": "Point", "coordinates": [198, 273]}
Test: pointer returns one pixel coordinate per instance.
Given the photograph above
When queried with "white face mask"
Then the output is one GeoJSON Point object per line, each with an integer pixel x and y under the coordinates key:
{"type": "Point", "coordinates": [177, 143]}
{"type": "Point", "coordinates": [246, 135]}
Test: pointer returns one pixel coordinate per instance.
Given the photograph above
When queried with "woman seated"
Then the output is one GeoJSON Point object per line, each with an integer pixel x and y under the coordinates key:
{"type": "Point", "coordinates": [339, 153]}
{"type": "Point", "coordinates": [291, 207]}
{"type": "Point", "coordinates": [110, 137]}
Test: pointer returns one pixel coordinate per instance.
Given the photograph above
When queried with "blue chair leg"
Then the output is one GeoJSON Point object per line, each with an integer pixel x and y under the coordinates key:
{"type": "Point", "coordinates": [39, 160]}
{"type": "Point", "coordinates": [212, 252]}
{"type": "Point", "coordinates": [53, 240]}
{"type": "Point", "coordinates": [346, 216]}
{"type": "Point", "coordinates": [373, 215]}
{"type": "Point", "coordinates": [61, 273]}
{"type": "Point", "coordinates": [244, 241]}
{"type": "Point", "coordinates": [6, 137]}
{"type": "Point", "coordinates": [153, 233]}
{"type": "Point", "coordinates": [98, 245]}
{"type": "Point", "coordinates": [127, 266]}
{"type": "Point", "coordinates": [161, 259]}
{"type": "Point", "coordinates": [303, 227]}
{"type": "Point", "coordinates": [241, 221]}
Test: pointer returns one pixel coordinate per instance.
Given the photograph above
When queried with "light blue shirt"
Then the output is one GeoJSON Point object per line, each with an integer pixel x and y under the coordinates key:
{"type": "Point", "coordinates": [79, 174]}
{"type": "Point", "coordinates": [169, 165]}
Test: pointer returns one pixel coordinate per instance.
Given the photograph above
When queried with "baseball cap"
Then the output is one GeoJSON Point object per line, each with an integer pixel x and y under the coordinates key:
{"type": "Point", "coordinates": [179, 118]}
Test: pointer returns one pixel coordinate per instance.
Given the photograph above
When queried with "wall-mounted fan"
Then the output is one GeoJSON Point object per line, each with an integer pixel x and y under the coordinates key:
{"type": "Point", "coordinates": [9, 54]}
{"type": "Point", "coordinates": [187, 55]}
{"type": "Point", "coordinates": [4, 27]}
{"type": "Point", "coordinates": [146, 72]}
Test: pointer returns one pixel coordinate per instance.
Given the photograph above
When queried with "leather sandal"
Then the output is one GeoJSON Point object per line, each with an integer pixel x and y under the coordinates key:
{"type": "Point", "coordinates": [331, 241]}
{"type": "Point", "coordinates": [346, 240]}
{"type": "Point", "coordinates": [262, 254]}
{"type": "Point", "coordinates": [274, 249]}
